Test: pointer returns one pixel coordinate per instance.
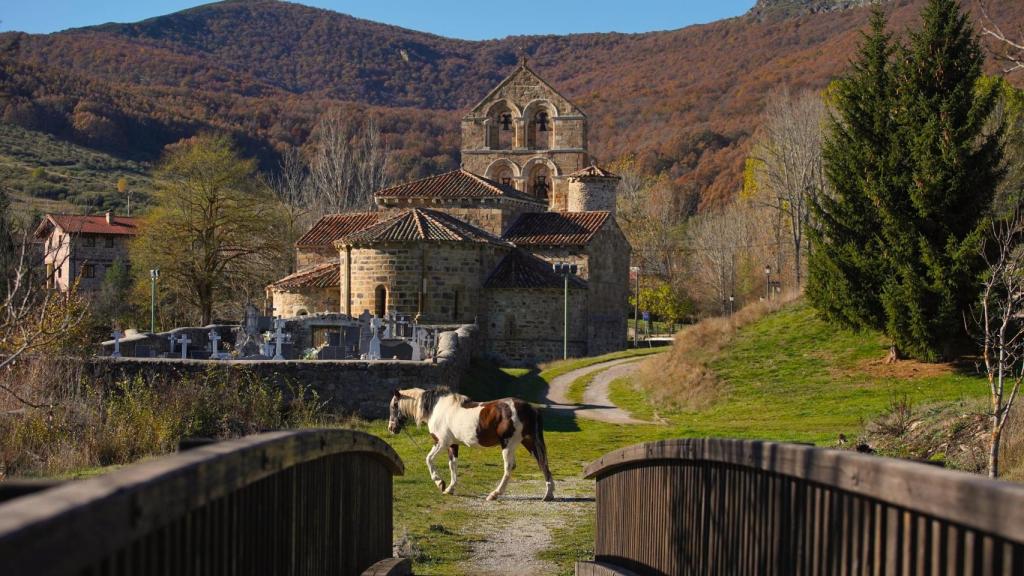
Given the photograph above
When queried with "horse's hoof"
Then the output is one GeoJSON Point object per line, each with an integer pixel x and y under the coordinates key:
{"type": "Point", "coordinates": [440, 484]}
{"type": "Point", "coordinates": [492, 497]}
{"type": "Point", "coordinates": [549, 497]}
{"type": "Point", "coordinates": [450, 491]}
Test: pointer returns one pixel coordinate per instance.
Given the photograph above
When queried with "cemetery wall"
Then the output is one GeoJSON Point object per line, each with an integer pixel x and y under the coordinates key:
{"type": "Point", "coordinates": [345, 386]}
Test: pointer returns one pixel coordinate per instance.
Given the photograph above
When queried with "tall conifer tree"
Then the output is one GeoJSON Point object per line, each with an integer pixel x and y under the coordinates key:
{"type": "Point", "coordinates": [846, 268]}
{"type": "Point", "coordinates": [932, 214]}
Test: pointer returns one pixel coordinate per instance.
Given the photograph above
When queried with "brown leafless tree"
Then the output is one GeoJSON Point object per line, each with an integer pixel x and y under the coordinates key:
{"type": "Point", "coordinates": [788, 166]}
{"type": "Point", "coordinates": [348, 164]}
{"type": "Point", "coordinates": [721, 246]}
{"type": "Point", "coordinates": [33, 318]}
{"type": "Point", "coordinates": [1009, 49]}
{"type": "Point", "coordinates": [999, 323]}
{"type": "Point", "coordinates": [646, 212]}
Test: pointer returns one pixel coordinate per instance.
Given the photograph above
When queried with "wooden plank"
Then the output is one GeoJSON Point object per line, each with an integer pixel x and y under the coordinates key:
{"type": "Point", "coordinates": [64, 529]}
{"type": "Point", "coordinates": [970, 500]}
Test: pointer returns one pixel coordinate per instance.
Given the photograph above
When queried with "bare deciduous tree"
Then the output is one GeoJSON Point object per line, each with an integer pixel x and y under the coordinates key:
{"type": "Point", "coordinates": [1006, 49]}
{"type": "Point", "coordinates": [788, 165]}
{"type": "Point", "coordinates": [349, 163]}
{"type": "Point", "coordinates": [720, 244]}
{"type": "Point", "coordinates": [33, 318]}
{"type": "Point", "coordinates": [998, 323]}
{"type": "Point", "coordinates": [647, 215]}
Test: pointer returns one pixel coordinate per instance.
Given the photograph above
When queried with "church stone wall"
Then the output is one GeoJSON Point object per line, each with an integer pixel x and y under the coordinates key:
{"type": "Point", "coordinates": [289, 303]}
{"type": "Point", "coordinates": [524, 326]}
{"type": "Point", "coordinates": [452, 273]}
{"type": "Point", "coordinates": [494, 216]}
{"type": "Point", "coordinates": [608, 287]}
{"type": "Point", "coordinates": [592, 194]}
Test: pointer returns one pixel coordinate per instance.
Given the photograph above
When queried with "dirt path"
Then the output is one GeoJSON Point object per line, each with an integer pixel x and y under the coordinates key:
{"type": "Point", "coordinates": [596, 404]}
{"type": "Point", "coordinates": [519, 525]}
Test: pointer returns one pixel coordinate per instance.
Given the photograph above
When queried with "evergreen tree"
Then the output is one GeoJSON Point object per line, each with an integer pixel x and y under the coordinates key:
{"type": "Point", "coordinates": [846, 268]}
{"type": "Point", "coordinates": [933, 212]}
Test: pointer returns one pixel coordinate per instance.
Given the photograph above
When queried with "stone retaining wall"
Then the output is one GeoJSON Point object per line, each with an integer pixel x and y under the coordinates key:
{"type": "Point", "coordinates": [346, 386]}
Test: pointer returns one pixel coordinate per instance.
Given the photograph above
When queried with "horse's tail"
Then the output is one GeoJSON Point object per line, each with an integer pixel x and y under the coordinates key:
{"type": "Point", "coordinates": [540, 448]}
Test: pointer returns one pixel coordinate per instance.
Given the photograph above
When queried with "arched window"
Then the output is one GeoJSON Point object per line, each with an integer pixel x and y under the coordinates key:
{"type": "Point", "coordinates": [541, 131]}
{"type": "Point", "coordinates": [502, 132]}
{"type": "Point", "coordinates": [380, 301]}
{"type": "Point", "coordinates": [502, 172]}
{"type": "Point", "coordinates": [539, 183]}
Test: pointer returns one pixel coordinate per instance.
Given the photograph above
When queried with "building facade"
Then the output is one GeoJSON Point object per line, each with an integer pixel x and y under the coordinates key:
{"type": "Point", "coordinates": [83, 248]}
{"type": "Point", "coordinates": [478, 244]}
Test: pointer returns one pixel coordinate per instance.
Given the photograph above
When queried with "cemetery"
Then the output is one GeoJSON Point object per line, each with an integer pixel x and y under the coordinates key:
{"type": "Point", "coordinates": [351, 364]}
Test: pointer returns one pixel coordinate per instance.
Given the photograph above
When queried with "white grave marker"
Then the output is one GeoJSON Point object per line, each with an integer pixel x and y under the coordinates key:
{"type": "Point", "coordinates": [374, 351]}
{"type": "Point", "coordinates": [184, 340]}
{"type": "Point", "coordinates": [117, 343]}
{"type": "Point", "coordinates": [214, 340]}
{"type": "Point", "coordinates": [278, 338]}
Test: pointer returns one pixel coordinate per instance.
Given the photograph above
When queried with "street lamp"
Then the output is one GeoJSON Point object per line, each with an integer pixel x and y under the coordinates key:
{"type": "Point", "coordinates": [565, 269]}
{"type": "Point", "coordinates": [732, 304]}
{"type": "Point", "coordinates": [636, 304]}
{"type": "Point", "coordinates": [768, 282]}
{"type": "Point", "coordinates": [154, 274]}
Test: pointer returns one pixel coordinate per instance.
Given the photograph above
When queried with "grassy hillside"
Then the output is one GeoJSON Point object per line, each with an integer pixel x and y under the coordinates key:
{"type": "Point", "coordinates": [45, 174]}
{"type": "Point", "coordinates": [788, 376]}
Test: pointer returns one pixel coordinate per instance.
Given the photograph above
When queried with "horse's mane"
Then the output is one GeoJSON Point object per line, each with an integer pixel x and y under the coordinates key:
{"type": "Point", "coordinates": [419, 403]}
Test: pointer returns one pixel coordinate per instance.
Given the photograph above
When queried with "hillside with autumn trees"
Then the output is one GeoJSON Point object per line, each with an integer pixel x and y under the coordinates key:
{"type": "Point", "coordinates": [683, 103]}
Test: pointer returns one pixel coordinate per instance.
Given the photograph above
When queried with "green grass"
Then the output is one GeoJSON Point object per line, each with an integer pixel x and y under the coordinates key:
{"type": "Point", "coordinates": [579, 386]}
{"type": "Point", "coordinates": [43, 173]}
{"type": "Point", "coordinates": [789, 377]}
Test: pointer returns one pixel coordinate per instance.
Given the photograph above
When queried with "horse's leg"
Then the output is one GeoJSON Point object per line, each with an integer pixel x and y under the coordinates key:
{"type": "Point", "coordinates": [453, 462]}
{"type": "Point", "coordinates": [539, 451]}
{"type": "Point", "coordinates": [508, 454]}
{"type": "Point", "coordinates": [430, 464]}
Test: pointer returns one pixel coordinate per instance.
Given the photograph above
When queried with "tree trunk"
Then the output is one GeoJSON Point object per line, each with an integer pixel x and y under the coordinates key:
{"type": "Point", "coordinates": [993, 449]}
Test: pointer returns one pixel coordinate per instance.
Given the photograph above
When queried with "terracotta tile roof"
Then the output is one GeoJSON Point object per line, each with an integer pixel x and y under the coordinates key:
{"type": "Point", "coordinates": [417, 225]}
{"type": "Point", "coordinates": [455, 184]}
{"type": "Point", "coordinates": [556, 228]}
{"type": "Point", "coordinates": [334, 226]}
{"type": "Point", "coordinates": [79, 224]}
{"type": "Point", "coordinates": [520, 269]}
{"type": "Point", "coordinates": [326, 275]}
{"type": "Point", "coordinates": [592, 171]}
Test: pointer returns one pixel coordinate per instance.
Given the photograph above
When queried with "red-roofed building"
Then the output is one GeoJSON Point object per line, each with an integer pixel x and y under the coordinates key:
{"type": "Point", "coordinates": [478, 244]}
{"type": "Point", "coordinates": [83, 247]}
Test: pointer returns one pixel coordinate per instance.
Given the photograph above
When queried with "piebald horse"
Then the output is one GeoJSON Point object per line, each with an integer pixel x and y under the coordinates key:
{"type": "Point", "coordinates": [453, 418]}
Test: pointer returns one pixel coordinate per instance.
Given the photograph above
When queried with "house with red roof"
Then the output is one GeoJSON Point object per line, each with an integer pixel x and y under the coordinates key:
{"type": "Point", "coordinates": [479, 244]}
{"type": "Point", "coordinates": [83, 247]}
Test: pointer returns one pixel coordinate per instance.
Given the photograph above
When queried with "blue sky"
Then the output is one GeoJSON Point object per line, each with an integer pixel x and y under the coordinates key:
{"type": "Point", "coordinates": [469, 19]}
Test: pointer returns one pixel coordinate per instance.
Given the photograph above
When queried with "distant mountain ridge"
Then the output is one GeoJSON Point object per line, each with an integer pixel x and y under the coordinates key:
{"type": "Point", "coordinates": [765, 9]}
{"type": "Point", "coordinates": [682, 102]}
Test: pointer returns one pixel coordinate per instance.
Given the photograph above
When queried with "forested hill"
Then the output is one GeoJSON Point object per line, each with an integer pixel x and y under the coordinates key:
{"type": "Point", "coordinates": [684, 102]}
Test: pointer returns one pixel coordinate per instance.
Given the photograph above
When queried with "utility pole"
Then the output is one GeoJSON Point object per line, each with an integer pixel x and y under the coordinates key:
{"type": "Point", "coordinates": [565, 269]}
{"type": "Point", "coordinates": [154, 274]}
{"type": "Point", "coordinates": [636, 305]}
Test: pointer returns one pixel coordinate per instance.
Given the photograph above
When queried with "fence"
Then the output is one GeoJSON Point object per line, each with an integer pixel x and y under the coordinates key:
{"type": "Point", "coordinates": [302, 502]}
{"type": "Point", "coordinates": [742, 507]}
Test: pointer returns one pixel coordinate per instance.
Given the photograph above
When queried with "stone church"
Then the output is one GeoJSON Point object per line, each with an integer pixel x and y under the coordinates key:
{"type": "Point", "coordinates": [478, 244]}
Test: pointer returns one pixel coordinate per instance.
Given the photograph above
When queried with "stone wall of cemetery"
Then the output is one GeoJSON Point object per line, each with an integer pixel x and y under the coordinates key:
{"type": "Point", "coordinates": [345, 386]}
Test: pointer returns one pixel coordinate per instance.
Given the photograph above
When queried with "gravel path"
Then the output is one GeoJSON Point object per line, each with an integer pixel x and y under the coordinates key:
{"type": "Point", "coordinates": [596, 404]}
{"type": "Point", "coordinates": [519, 525]}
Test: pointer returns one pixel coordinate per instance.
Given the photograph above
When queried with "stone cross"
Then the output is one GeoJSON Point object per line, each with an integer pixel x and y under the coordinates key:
{"type": "Point", "coordinates": [214, 340]}
{"type": "Point", "coordinates": [117, 343]}
{"type": "Point", "coordinates": [389, 321]}
{"type": "Point", "coordinates": [374, 351]}
{"type": "Point", "coordinates": [184, 341]}
{"type": "Point", "coordinates": [417, 347]}
{"type": "Point", "coordinates": [170, 338]}
{"type": "Point", "coordinates": [278, 338]}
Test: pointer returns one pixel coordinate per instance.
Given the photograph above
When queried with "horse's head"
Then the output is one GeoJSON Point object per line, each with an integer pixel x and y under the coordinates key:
{"type": "Point", "coordinates": [396, 417]}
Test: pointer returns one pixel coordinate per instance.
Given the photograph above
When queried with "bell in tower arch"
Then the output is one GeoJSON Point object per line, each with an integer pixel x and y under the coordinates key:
{"type": "Point", "coordinates": [542, 121]}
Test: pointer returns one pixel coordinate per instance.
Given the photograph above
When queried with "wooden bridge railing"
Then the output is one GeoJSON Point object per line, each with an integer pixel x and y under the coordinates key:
{"type": "Point", "coordinates": [304, 502]}
{"type": "Point", "coordinates": [741, 507]}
